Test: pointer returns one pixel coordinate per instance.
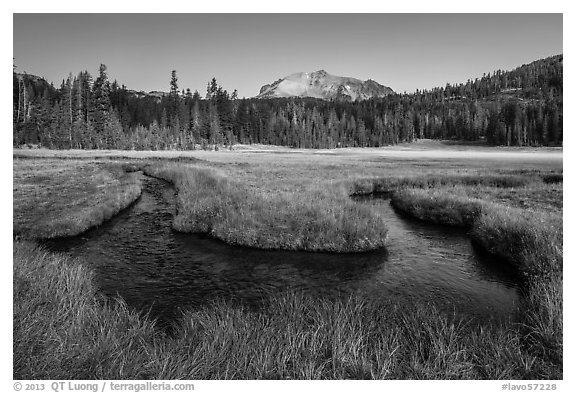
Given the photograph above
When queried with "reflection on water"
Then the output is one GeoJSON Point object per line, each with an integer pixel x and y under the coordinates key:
{"type": "Point", "coordinates": [138, 256]}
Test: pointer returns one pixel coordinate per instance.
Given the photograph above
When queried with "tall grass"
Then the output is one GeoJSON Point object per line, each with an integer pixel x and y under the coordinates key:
{"type": "Point", "coordinates": [529, 240]}
{"type": "Point", "coordinates": [439, 206]}
{"type": "Point", "coordinates": [55, 200]}
{"type": "Point", "coordinates": [543, 324]}
{"type": "Point", "coordinates": [64, 330]}
{"type": "Point", "coordinates": [393, 183]}
{"type": "Point", "coordinates": [314, 220]}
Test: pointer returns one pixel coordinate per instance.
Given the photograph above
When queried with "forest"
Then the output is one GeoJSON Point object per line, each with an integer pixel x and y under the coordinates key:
{"type": "Point", "coordinates": [522, 107]}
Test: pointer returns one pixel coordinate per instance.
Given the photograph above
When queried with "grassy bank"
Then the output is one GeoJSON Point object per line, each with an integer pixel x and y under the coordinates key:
{"type": "Point", "coordinates": [64, 330]}
{"type": "Point", "coordinates": [316, 219]}
{"type": "Point", "coordinates": [55, 199]}
{"type": "Point", "coordinates": [530, 239]}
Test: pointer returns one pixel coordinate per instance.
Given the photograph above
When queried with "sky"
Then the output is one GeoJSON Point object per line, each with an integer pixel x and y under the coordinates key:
{"type": "Point", "coordinates": [245, 51]}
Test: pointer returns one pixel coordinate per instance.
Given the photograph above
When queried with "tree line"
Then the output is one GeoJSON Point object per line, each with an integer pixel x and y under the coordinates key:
{"type": "Point", "coordinates": [522, 107]}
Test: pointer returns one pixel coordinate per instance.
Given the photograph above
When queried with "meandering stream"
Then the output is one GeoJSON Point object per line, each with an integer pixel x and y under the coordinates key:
{"type": "Point", "coordinates": [138, 256]}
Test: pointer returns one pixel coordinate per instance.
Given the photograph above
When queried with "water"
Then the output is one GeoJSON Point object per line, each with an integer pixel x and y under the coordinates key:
{"type": "Point", "coordinates": [139, 257]}
{"type": "Point", "coordinates": [438, 264]}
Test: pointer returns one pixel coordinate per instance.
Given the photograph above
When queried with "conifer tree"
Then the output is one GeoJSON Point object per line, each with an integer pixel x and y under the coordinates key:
{"type": "Point", "coordinates": [101, 108]}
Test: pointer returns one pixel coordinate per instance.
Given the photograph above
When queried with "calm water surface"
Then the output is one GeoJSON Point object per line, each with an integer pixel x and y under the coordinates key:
{"type": "Point", "coordinates": [138, 256]}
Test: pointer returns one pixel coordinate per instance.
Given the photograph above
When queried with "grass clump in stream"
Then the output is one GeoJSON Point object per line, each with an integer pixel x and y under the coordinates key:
{"type": "Point", "coordinates": [314, 220]}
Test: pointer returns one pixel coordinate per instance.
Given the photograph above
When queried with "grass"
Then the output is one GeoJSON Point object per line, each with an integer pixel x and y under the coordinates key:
{"type": "Point", "coordinates": [62, 327]}
{"type": "Point", "coordinates": [52, 199]}
{"type": "Point", "coordinates": [438, 206]}
{"type": "Point", "coordinates": [64, 330]}
{"type": "Point", "coordinates": [315, 220]}
{"type": "Point", "coordinates": [388, 184]}
{"type": "Point", "coordinates": [529, 238]}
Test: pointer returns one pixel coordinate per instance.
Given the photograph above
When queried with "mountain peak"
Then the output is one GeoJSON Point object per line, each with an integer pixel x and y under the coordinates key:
{"type": "Point", "coordinates": [321, 84]}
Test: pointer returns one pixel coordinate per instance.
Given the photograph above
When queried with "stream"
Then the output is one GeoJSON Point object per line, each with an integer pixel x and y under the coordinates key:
{"type": "Point", "coordinates": [138, 256]}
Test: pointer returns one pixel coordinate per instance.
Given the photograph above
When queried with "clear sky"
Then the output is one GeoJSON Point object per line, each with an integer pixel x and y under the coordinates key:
{"type": "Point", "coordinates": [245, 51]}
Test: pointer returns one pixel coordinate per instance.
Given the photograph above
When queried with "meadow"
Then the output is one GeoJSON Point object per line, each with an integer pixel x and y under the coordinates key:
{"type": "Point", "coordinates": [509, 201]}
{"type": "Point", "coordinates": [56, 199]}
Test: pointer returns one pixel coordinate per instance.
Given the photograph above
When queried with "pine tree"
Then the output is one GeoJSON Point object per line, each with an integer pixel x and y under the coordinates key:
{"type": "Point", "coordinates": [101, 108]}
{"type": "Point", "coordinates": [173, 98]}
